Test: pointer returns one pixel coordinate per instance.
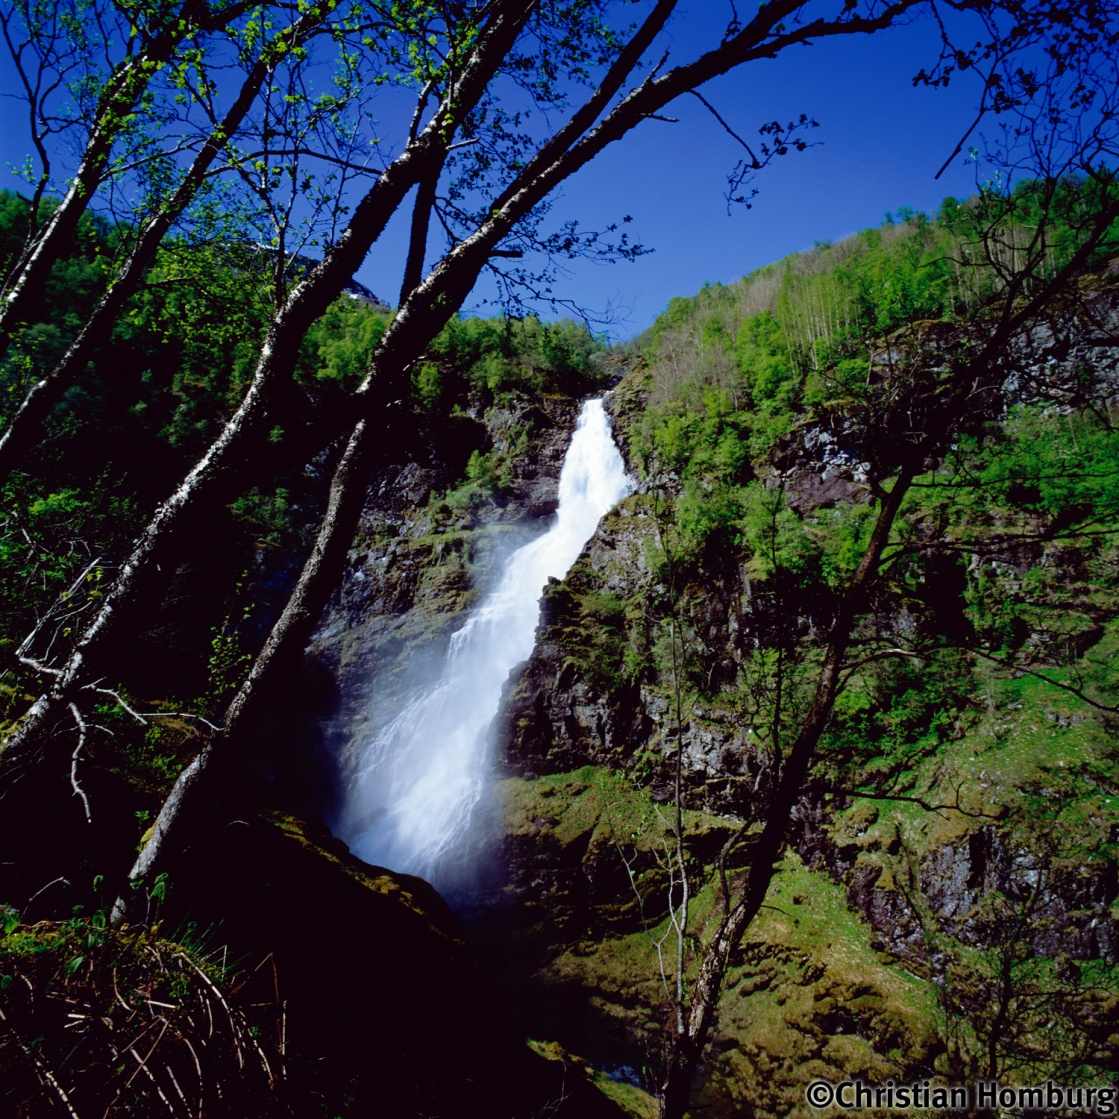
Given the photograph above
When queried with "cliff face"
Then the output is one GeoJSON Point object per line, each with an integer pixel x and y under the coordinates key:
{"type": "Point", "coordinates": [565, 712]}
{"type": "Point", "coordinates": [426, 549]}
{"type": "Point", "coordinates": [961, 818]}
{"type": "Point", "coordinates": [953, 855]}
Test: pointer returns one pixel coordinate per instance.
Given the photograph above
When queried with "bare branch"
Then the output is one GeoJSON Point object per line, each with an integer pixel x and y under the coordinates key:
{"type": "Point", "coordinates": [1020, 668]}
{"type": "Point", "coordinates": [754, 162]}
{"type": "Point", "coordinates": [78, 790]}
{"type": "Point", "coordinates": [928, 806]}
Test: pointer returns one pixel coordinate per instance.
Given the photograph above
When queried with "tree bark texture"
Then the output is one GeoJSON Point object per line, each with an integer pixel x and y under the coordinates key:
{"type": "Point", "coordinates": [213, 478]}
{"type": "Point", "coordinates": [186, 806]}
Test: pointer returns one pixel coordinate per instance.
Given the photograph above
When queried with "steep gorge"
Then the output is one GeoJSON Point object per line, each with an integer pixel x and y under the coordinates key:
{"type": "Point", "coordinates": [945, 901]}
{"type": "Point", "coordinates": [880, 937]}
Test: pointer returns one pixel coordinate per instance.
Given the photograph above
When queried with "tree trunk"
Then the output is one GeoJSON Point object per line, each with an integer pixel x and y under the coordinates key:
{"type": "Point", "coordinates": [185, 811]}
{"type": "Point", "coordinates": [686, 1049]}
{"type": "Point", "coordinates": [417, 238]}
{"type": "Point", "coordinates": [28, 418]}
{"type": "Point", "coordinates": [212, 478]}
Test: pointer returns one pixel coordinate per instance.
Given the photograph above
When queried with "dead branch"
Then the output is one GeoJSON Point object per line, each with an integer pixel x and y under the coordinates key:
{"type": "Point", "coordinates": [78, 790]}
{"type": "Point", "coordinates": [880, 655]}
{"type": "Point", "coordinates": [43, 889]}
{"type": "Point", "coordinates": [939, 809]}
{"type": "Point", "coordinates": [41, 1070]}
{"type": "Point", "coordinates": [38, 666]}
{"type": "Point", "coordinates": [143, 1067]}
{"type": "Point", "coordinates": [120, 700]}
{"type": "Point", "coordinates": [116, 992]}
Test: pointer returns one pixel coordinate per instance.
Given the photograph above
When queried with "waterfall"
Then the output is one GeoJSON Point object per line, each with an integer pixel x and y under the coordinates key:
{"type": "Point", "coordinates": [419, 781]}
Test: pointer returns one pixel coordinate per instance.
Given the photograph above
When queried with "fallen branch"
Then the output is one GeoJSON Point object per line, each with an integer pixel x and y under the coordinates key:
{"type": "Point", "coordinates": [41, 1070]}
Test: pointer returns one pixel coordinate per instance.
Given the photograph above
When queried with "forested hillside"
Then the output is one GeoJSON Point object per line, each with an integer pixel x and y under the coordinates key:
{"type": "Point", "coordinates": [944, 901]}
{"type": "Point", "coordinates": [936, 394]}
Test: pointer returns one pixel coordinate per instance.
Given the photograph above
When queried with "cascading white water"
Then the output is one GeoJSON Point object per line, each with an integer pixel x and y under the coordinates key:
{"type": "Point", "coordinates": [420, 779]}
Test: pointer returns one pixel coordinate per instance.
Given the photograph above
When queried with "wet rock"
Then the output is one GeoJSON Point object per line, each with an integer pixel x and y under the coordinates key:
{"type": "Point", "coordinates": [417, 565]}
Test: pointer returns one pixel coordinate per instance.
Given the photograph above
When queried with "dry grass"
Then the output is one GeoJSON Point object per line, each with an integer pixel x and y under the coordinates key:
{"type": "Point", "coordinates": [95, 1022]}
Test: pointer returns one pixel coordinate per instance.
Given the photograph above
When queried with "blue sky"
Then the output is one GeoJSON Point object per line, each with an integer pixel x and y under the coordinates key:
{"type": "Point", "coordinates": [878, 147]}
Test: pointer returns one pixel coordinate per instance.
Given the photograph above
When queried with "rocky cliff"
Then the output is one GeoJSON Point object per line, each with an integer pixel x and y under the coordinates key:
{"type": "Point", "coordinates": [426, 548]}
{"type": "Point", "coordinates": [960, 823]}
{"type": "Point", "coordinates": [917, 860]}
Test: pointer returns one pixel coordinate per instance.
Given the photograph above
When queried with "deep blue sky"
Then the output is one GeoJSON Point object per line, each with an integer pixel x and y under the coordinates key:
{"type": "Point", "coordinates": [878, 147]}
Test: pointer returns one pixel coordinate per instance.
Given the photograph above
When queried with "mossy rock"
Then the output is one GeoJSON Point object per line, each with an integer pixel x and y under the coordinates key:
{"type": "Point", "coordinates": [386, 1014]}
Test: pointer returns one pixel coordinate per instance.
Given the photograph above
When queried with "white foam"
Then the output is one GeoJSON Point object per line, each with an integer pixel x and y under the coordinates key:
{"type": "Point", "coordinates": [421, 778]}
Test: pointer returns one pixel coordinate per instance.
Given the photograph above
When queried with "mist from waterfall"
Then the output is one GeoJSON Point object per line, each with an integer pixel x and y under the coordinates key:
{"type": "Point", "coordinates": [414, 796]}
